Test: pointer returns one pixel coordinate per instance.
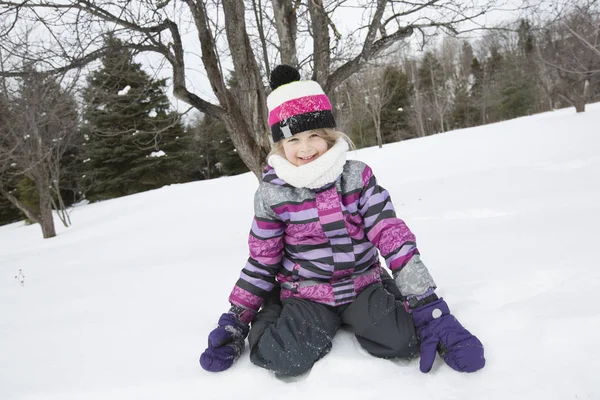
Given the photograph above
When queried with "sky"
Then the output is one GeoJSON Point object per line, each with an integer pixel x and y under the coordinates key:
{"type": "Point", "coordinates": [506, 216]}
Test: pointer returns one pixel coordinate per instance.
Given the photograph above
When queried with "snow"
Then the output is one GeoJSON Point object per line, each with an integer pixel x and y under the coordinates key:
{"type": "Point", "coordinates": [159, 153]}
{"type": "Point", "coordinates": [124, 91]}
{"type": "Point", "coordinates": [119, 305]}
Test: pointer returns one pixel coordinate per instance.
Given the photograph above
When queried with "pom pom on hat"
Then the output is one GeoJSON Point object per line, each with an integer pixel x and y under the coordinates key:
{"type": "Point", "coordinates": [296, 106]}
{"type": "Point", "coordinates": [283, 74]}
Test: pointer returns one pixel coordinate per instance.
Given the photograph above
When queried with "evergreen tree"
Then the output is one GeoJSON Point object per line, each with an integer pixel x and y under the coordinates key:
{"type": "Point", "coordinates": [394, 118]}
{"type": "Point", "coordinates": [526, 38]}
{"type": "Point", "coordinates": [519, 77]}
{"type": "Point", "coordinates": [28, 195]}
{"type": "Point", "coordinates": [466, 61]}
{"type": "Point", "coordinates": [216, 155]}
{"type": "Point", "coordinates": [476, 92]}
{"type": "Point", "coordinates": [465, 113]}
{"type": "Point", "coordinates": [230, 162]}
{"type": "Point", "coordinates": [518, 96]}
{"type": "Point", "coordinates": [229, 159]}
{"type": "Point", "coordinates": [8, 212]}
{"type": "Point", "coordinates": [71, 170]}
{"type": "Point", "coordinates": [134, 142]}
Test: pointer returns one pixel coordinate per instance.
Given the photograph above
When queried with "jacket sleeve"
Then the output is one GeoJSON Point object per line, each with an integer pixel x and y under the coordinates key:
{"type": "Point", "coordinates": [265, 242]}
{"type": "Point", "coordinates": [396, 243]}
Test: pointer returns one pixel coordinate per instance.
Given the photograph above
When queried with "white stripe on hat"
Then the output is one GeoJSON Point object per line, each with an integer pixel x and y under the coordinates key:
{"type": "Point", "coordinates": [292, 90]}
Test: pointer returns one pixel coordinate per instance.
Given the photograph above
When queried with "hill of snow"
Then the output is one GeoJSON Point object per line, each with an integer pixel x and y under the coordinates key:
{"type": "Point", "coordinates": [507, 219]}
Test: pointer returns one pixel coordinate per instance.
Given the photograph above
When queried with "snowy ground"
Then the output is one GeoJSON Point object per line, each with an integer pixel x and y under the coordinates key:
{"type": "Point", "coordinates": [119, 305]}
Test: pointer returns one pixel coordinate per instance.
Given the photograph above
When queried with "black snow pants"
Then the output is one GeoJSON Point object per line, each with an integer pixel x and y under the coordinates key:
{"type": "Point", "coordinates": [288, 337]}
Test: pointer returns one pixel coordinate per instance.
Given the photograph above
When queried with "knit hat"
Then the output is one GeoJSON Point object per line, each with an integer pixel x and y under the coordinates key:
{"type": "Point", "coordinates": [296, 106]}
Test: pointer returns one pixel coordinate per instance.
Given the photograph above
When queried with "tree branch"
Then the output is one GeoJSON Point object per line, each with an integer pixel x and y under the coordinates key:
{"type": "Point", "coordinates": [354, 65]}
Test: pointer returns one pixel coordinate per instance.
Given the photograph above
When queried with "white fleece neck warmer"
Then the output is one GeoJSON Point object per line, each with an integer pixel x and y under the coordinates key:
{"type": "Point", "coordinates": [315, 174]}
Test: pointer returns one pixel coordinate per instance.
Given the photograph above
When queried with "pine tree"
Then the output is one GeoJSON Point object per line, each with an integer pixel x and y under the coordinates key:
{"type": "Point", "coordinates": [8, 212]}
{"type": "Point", "coordinates": [476, 99]}
{"type": "Point", "coordinates": [394, 118]}
{"type": "Point", "coordinates": [134, 142]}
{"type": "Point", "coordinates": [518, 92]}
{"type": "Point", "coordinates": [465, 113]}
{"type": "Point", "coordinates": [518, 97]}
{"type": "Point", "coordinates": [216, 153]}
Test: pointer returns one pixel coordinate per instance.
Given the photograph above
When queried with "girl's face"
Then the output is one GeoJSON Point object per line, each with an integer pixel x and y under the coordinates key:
{"type": "Point", "coordinates": [304, 147]}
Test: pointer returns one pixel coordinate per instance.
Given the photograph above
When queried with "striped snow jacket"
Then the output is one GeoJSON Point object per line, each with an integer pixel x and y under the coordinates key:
{"type": "Point", "coordinates": [321, 245]}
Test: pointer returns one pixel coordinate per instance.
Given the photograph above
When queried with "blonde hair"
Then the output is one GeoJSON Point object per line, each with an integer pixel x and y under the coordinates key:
{"type": "Point", "coordinates": [328, 134]}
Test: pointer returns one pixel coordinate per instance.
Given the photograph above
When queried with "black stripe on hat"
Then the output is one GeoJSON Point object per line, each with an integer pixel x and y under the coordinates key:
{"type": "Point", "coordinates": [302, 122]}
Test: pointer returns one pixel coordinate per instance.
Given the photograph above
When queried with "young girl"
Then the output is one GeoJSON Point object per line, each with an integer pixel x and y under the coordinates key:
{"type": "Point", "coordinates": [314, 263]}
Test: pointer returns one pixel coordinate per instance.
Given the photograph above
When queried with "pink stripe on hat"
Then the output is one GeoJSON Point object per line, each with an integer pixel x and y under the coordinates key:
{"type": "Point", "coordinates": [299, 106]}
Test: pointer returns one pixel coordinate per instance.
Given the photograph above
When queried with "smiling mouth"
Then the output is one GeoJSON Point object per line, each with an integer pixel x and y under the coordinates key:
{"type": "Point", "coordinates": [308, 158]}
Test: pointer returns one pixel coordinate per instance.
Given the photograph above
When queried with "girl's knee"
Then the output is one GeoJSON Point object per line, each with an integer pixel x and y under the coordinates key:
{"type": "Point", "coordinates": [286, 369]}
{"type": "Point", "coordinates": [280, 361]}
{"type": "Point", "coordinates": [405, 350]}
{"type": "Point", "coordinates": [397, 346]}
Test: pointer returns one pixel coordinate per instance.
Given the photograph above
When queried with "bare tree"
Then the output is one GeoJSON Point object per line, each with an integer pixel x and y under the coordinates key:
{"type": "Point", "coordinates": [72, 32]}
{"type": "Point", "coordinates": [570, 46]}
{"type": "Point", "coordinates": [417, 111]}
{"type": "Point", "coordinates": [38, 121]}
{"type": "Point", "coordinates": [439, 73]}
{"type": "Point", "coordinates": [352, 116]}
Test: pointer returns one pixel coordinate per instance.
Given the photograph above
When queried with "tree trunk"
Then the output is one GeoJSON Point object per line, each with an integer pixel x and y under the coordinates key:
{"type": "Point", "coordinates": [418, 106]}
{"type": "Point", "coordinates": [320, 33]}
{"type": "Point", "coordinates": [286, 23]}
{"type": "Point", "coordinates": [250, 91]}
{"type": "Point", "coordinates": [46, 218]}
{"type": "Point", "coordinates": [583, 99]}
{"type": "Point", "coordinates": [579, 105]}
{"type": "Point", "coordinates": [243, 113]}
{"type": "Point", "coordinates": [378, 133]}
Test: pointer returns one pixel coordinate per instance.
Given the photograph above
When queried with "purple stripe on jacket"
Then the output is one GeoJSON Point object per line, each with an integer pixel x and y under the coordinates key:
{"type": "Point", "coordinates": [372, 253]}
{"type": "Point", "coordinates": [289, 265]}
{"type": "Point", "coordinates": [311, 255]}
{"type": "Point", "coordinates": [343, 257]}
{"type": "Point", "coordinates": [267, 232]}
{"type": "Point", "coordinates": [362, 247]}
{"type": "Point", "coordinates": [298, 216]}
{"type": "Point", "coordinates": [295, 208]}
{"type": "Point", "coordinates": [264, 285]}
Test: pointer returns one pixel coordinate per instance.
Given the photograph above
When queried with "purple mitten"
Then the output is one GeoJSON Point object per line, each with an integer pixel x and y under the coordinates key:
{"type": "Point", "coordinates": [225, 343]}
{"type": "Point", "coordinates": [439, 329]}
